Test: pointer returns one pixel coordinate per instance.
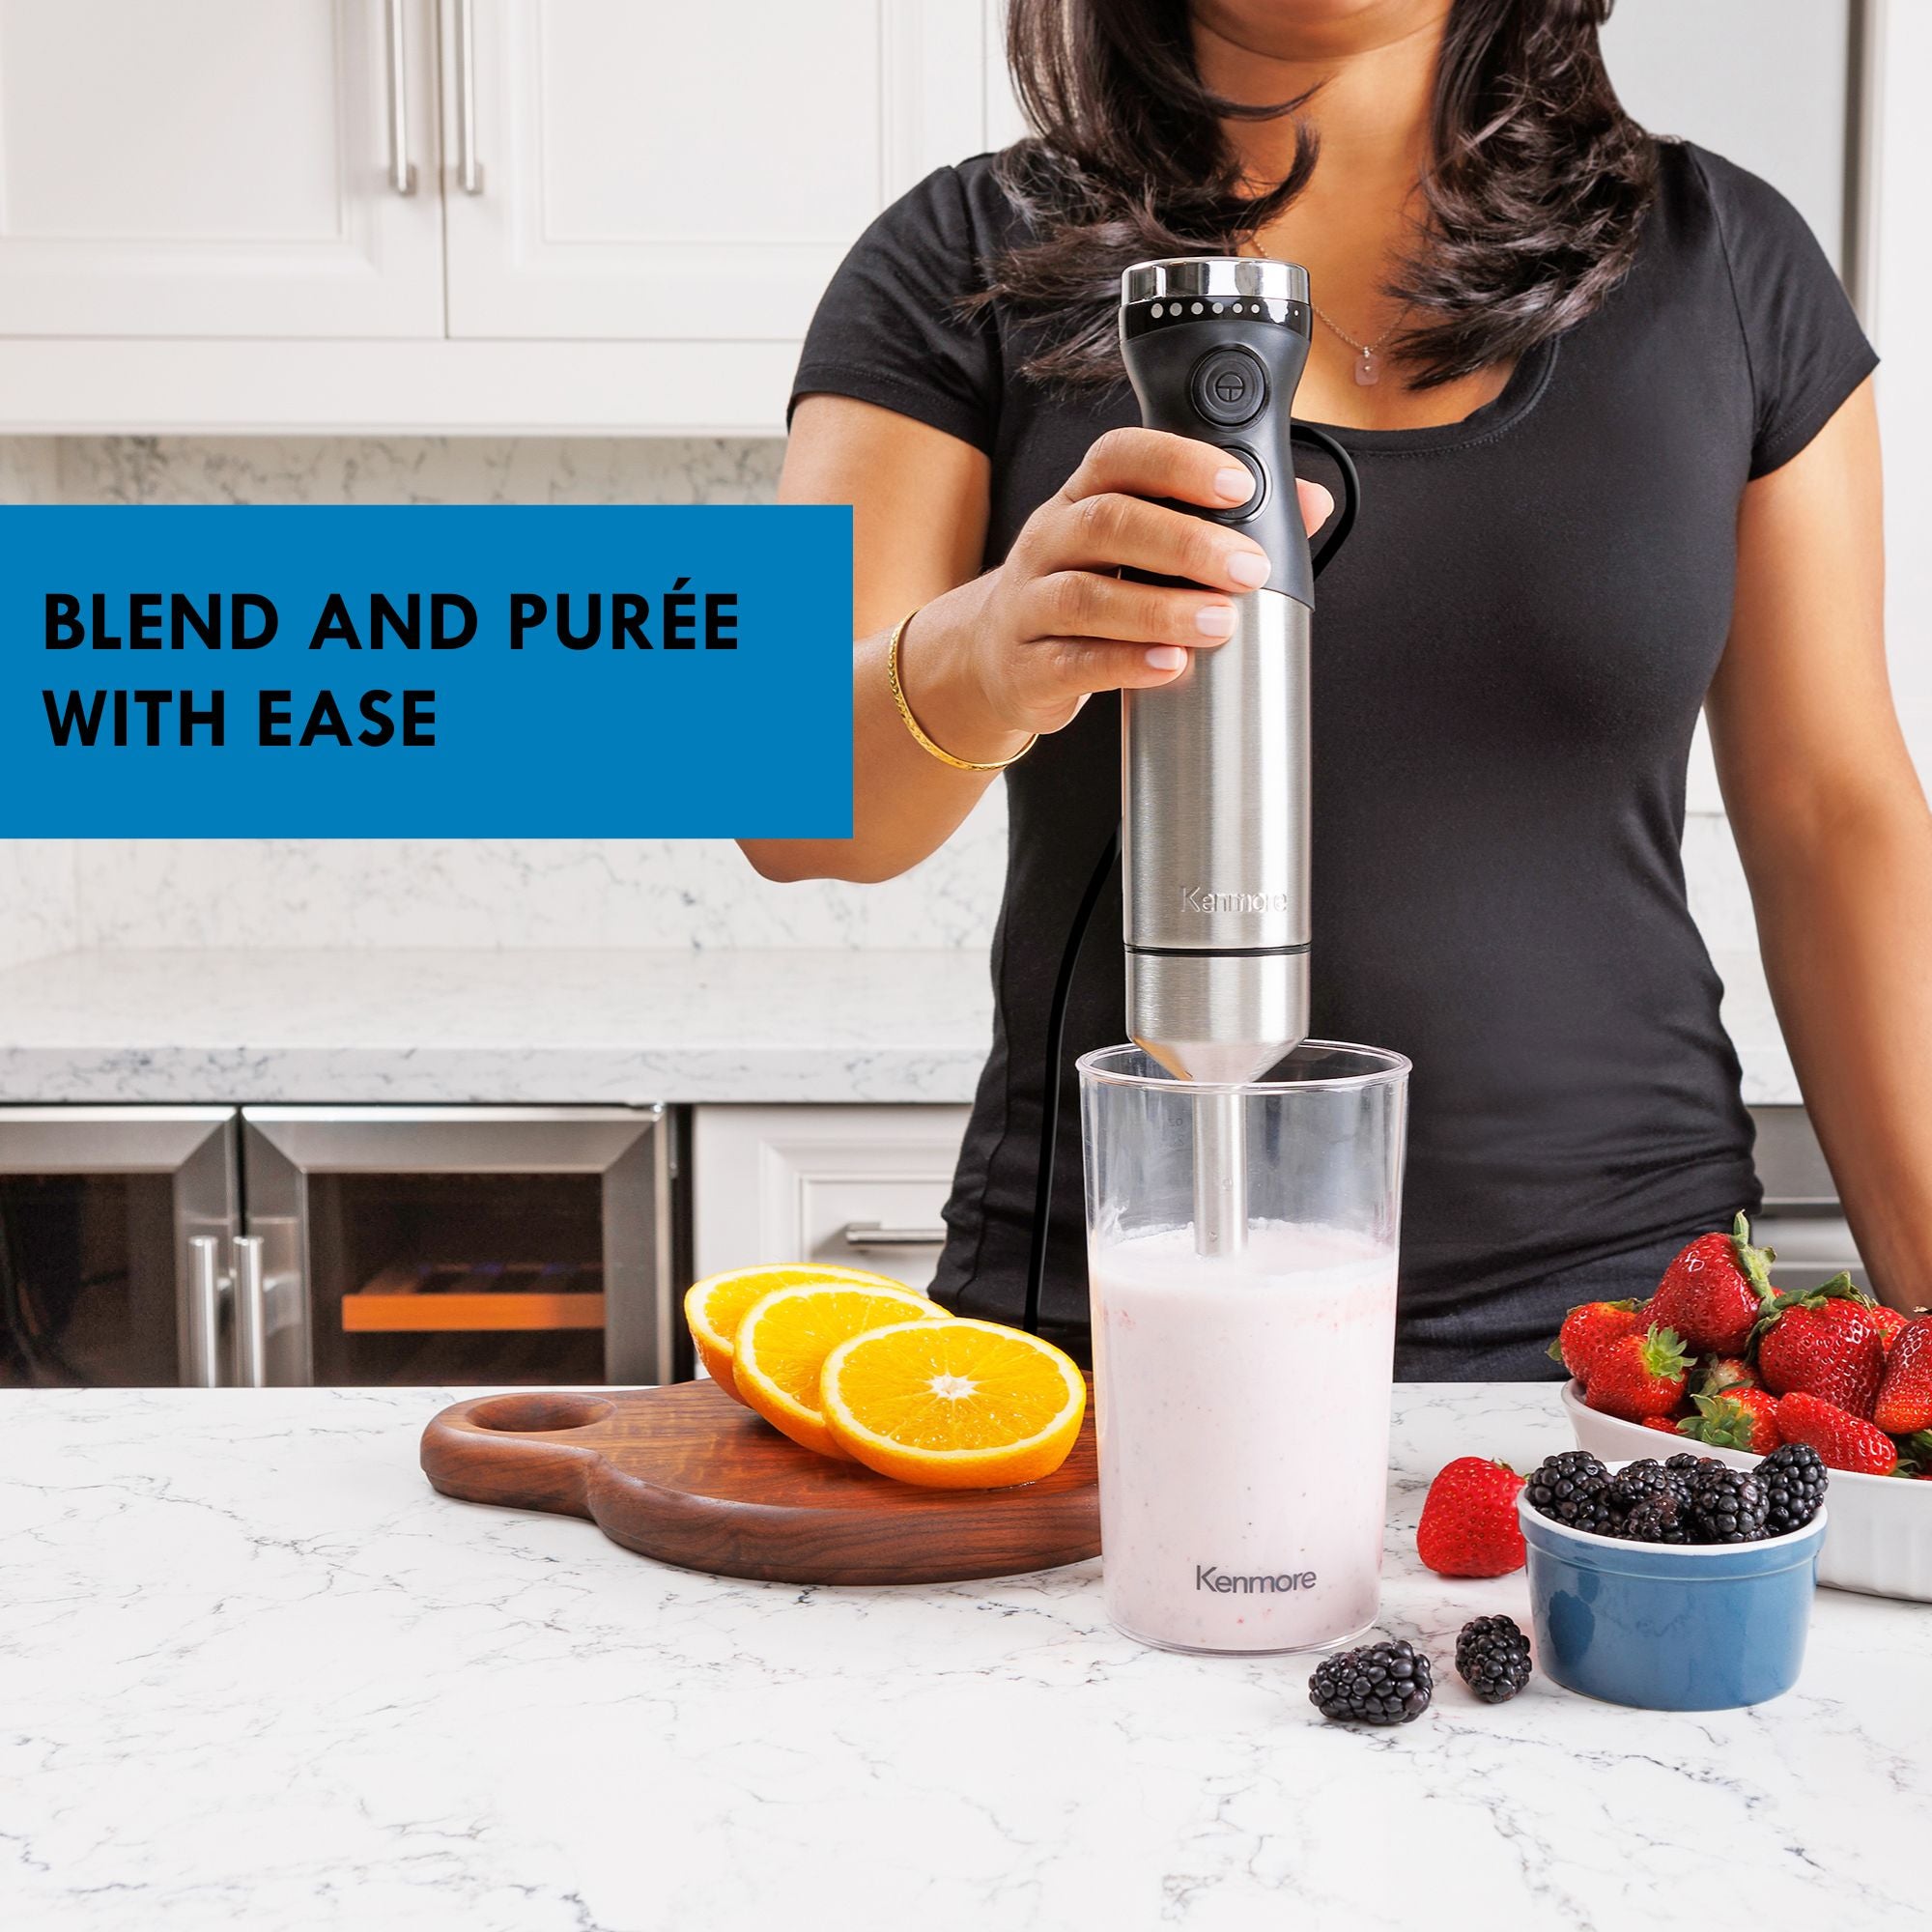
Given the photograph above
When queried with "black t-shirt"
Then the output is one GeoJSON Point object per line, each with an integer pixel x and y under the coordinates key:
{"type": "Point", "coordinates": [1509, 659]}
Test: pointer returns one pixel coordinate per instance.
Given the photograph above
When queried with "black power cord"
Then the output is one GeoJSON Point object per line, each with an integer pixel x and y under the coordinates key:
{"type": "Point", "coordinates": [1056, 1050]}
{"type": "Point", "coordinates": [1334, 534]}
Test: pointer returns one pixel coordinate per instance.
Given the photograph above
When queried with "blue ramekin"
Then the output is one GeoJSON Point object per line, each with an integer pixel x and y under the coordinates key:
{"type": "Point", "coordinates": [1668, 1627]}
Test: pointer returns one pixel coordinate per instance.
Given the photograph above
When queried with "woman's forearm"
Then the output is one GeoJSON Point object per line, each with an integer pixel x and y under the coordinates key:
{"type": "Point", "coordinates": [905, 802]}
{"type": "Point", "coordinates": [1845, 928]}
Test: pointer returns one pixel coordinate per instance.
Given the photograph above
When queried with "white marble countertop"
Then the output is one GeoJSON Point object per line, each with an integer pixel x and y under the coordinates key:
{"type": "Point", "coordinates": [253, 1672]}
{"type": "Point", "coordinates": [622, 1026]}
{"type": "Point", "coordinates": [630, 1026]}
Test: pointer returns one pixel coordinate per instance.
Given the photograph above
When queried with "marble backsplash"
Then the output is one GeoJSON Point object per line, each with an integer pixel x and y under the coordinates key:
{"type": "Point", "coordinates": [56, 895]}
{"type": "Point", "coordinates": [456, 892]}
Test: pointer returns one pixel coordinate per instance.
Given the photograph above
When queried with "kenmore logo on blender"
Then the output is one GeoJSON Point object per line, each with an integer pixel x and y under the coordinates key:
{"type": "Point", "coordinates": [1209, 1577]}
{"type": "Point", "coordinates": [1194, 899]}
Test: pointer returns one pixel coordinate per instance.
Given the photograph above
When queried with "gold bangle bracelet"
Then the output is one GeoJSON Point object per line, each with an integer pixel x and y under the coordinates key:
{"type": "Point", "coordinates": [920, 738]}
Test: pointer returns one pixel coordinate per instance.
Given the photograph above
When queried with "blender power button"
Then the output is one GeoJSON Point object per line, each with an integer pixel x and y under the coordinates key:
{"type": "Point", "coordinates": [1229, 388]}
{"type": "Point", "coordinates": [1251, 462]}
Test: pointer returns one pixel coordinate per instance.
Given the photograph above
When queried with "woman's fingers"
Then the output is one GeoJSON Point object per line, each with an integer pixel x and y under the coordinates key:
{"type": "Point", "coordinates": [1077, 667]}
{"type": "Point", "coordinates": [1150, 463]}
{"type": "Point", "coordinates": [1080, 604]}
{"type": "Point", "coordinates": [1115, 532]}
{"type": "Point", "coordinates": [1091, 527]}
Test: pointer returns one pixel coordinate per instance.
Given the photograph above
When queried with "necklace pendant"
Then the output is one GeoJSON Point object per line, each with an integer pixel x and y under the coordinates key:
{"type": "Point", "coordinates": [1368, 369]}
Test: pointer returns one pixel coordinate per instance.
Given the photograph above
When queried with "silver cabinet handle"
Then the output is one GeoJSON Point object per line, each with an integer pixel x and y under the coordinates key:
{"type": "Point", "coordinates": [205, 1286]}
{"type": "Point", "coordinates": [252, 1316]}
{"type": "Point", "coordinates": [468, 169]}
{"type": "Point", "coordinates": [402, 170]}
{"type": "Point", "coordinates": [876, 1235]}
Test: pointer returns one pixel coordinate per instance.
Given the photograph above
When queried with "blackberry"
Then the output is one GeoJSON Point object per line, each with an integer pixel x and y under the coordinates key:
{"type": "Point", "coordinates": [1793, 1480]}
{"type": "Point", "coordinates": [1574, 1488]}
{"type": "Point", "coordinates": [1657, 1518]}
{"type": "Point", "coordinates": [1492, 1659]}
{"type": "Point", "coordinates": [1380, 1684]}
{"type": "Point", "coordinates": [1726, 1505]}
{"type": "Point", "coordinates": [1683, 1462]}
{"type": "Point", "coordinates": [1639, 1482]}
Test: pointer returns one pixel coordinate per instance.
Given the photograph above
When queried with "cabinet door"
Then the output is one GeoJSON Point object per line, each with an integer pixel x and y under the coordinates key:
{"type": "Point", "coordinates": [859, 1186]}
{"type": "Point", "coordinates": [215, 168]}
{"type": "Point", "coordinates": [695, 173]}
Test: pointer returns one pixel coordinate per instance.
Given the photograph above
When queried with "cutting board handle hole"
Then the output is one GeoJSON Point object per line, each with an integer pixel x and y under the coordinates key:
{"type": "Point", "coordinates": [537, 1414]}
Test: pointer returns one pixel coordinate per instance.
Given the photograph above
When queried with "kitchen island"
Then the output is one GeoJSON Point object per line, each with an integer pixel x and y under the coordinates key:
{"type": "Point", "coordinates": [254, 1672]}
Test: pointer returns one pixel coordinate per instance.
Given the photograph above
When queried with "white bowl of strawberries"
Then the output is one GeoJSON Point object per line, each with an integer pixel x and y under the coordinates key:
{"type": "Point", "coordinates": [1718, 1358]}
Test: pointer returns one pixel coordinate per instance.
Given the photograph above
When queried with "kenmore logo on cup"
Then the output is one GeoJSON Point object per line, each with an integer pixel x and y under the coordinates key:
{"type": "Point", "coordinates": [1194, 899]}
{"type": "Point", "coordinates": [1209, 1577]}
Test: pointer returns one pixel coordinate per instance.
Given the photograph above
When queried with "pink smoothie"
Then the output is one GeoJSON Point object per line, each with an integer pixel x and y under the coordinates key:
{"type": "Point", "coordinates": [1244, 1413]}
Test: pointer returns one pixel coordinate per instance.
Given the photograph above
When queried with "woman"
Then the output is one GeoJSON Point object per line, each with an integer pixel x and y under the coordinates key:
{"type": "Point", "coordinates": [1614, 423]}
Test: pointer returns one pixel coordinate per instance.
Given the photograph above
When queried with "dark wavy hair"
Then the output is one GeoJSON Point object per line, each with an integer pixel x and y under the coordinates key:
{"type": "Point", "coordinates": [1535, 191]}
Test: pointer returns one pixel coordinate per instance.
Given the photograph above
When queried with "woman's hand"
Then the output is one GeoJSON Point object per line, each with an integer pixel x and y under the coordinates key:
{"type": "Point", "coordinates": [993, 657]}
{"type": "Point", "coordinates": [1033, 639]}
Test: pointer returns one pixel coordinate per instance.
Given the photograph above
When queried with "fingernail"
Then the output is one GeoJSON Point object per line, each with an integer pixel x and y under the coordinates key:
{"type": "Point", "coordinates": [1166, 657]}
{"type": "Point", "coordinates": [1215, 620]}
{"type": "Point", "coordinates": [1236, 485]}
{"type": "Point", "coordinates": [1249, 567]}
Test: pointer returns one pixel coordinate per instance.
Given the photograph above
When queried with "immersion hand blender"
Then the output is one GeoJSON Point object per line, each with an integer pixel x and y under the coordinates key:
{"type": "Point", "coordinates": [1214, 766]}
{"type": "Point", "coordinates": [1238, 1342]}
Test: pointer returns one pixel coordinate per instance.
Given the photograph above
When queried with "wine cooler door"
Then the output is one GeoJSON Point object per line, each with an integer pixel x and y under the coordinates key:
{"type": "Point", "coordinates": [108, 1216]}
{"type": "Point", "coordinates": [469, 1245]}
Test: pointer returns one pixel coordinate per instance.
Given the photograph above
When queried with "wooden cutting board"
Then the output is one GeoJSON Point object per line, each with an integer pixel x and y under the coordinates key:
{"type": "Point", "coordinates": [689, 1476]}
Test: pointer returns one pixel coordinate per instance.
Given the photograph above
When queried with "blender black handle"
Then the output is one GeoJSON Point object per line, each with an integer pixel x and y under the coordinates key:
{"type": "Point", "coordinates": [1204, 371]}
{"type": "Point", "coordinates": [1334, 533]}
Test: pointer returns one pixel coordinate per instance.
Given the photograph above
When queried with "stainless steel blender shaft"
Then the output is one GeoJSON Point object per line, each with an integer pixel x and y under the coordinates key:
{"type": "Point", "coordinates": [1215, 817]}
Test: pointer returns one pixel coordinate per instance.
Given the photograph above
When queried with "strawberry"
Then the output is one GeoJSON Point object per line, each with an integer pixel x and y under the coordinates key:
{"type": "Point", "coordinates": [1468, 1525]}
{"type": "Point", "coordinates": [1843, 1441]}
{"type": "Point", "coordinates": [1639, 1375]}
{"type": "Point", "coordinates": [1891, 1324]}
{"type": "Point", "coordinates": [1590, 1328]}
{"type": "Point", "coordinates": [1713, 1292]}
{"type": "Point", "coordinates": [1824, 1342]}
{"type": "Point", "coordinates": [1667, 1423]}
{"type": "Point", "coordinates": [1736, 1419]}
{"type": "Point", "coordinates": [1722, 1372]}
{"type": "Point", "coordinates": [1904, 1403]}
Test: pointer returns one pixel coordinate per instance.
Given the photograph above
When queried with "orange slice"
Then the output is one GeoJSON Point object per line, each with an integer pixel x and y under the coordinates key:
{"type": "Point", "coordinates": [953, 1404]}
{"type": "Point", "coordinates": [785, 1336]}
{"type": "Point", "coordinates": [714, 1307]}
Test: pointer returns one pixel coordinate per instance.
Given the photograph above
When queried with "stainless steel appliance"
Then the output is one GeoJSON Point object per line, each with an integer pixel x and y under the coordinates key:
{"type": "Point", "coordinates": [426, 1244]}
{"type": "Point", "coordinates": [103, 1211]}
{"type": "Point", "coordinates": [338, 1245]}
{"type": "Point", "coordinates": [1214, 765]}
{"type": "Point", "coordinates": [1213, 838]}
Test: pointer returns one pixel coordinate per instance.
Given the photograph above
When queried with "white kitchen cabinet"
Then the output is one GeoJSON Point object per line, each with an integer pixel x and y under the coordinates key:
{"type": "Point", "coordinates": [622, 211]}
{"type": "Point", "coordinates": [689, 173]}
{"type": "Point", "coordinates": [859, 1186]}
{"type": "Point", "coordinates": [216, 168]}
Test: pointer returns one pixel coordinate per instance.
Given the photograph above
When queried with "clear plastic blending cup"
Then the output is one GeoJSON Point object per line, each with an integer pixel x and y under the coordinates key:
{"type": "Point", "coordinates": [1243, 1394]}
